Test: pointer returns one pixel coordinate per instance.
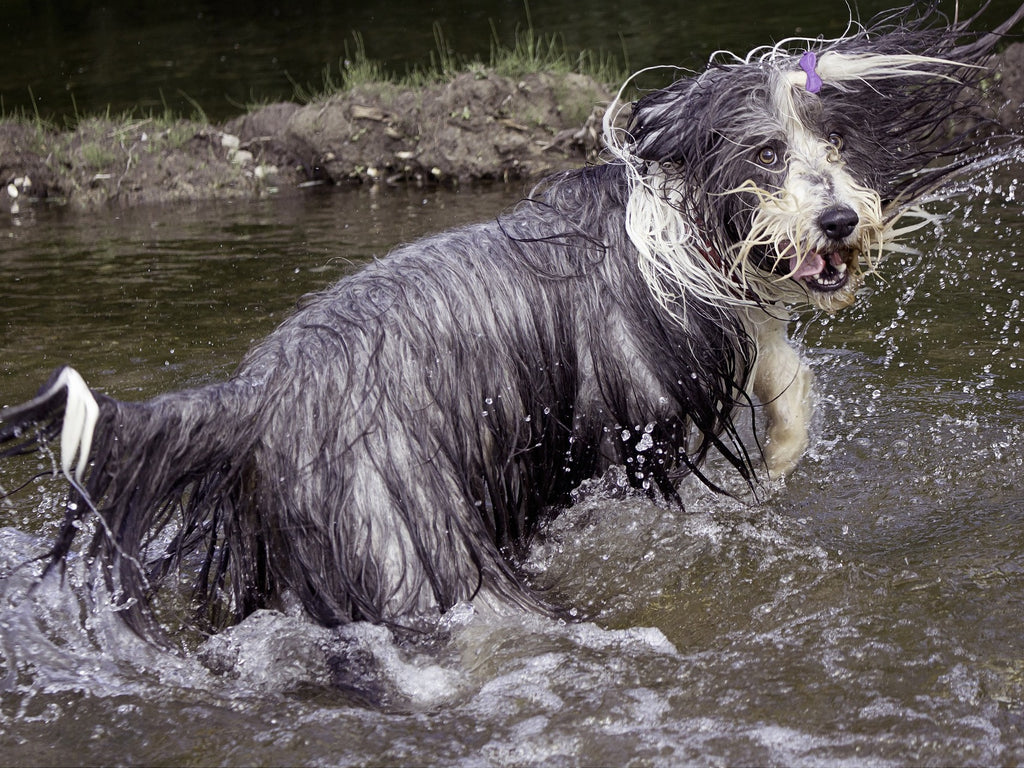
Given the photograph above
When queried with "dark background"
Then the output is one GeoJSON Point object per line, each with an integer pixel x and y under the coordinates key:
{"type": "Point", "coordinates": [68, 57]}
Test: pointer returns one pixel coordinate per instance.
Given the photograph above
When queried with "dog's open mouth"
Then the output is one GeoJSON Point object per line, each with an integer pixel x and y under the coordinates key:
{"type": "Point", "coordinates": [820, 271]}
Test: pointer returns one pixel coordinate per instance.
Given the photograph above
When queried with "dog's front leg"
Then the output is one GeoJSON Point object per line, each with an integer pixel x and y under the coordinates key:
{"type": "Point", "coordinates": [782, 383]}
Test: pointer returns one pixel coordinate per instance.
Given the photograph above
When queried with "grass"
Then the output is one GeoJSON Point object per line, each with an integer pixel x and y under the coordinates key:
{"type": "Point", "coordinates": [96, 156]}
{"type": "Point", "coordinates": [167, 128]}
{"type": "Point", "coordinates": [105, 143]}
{"type": "Point", "coordinates": [529, 53]}
{"type": "Point", "coordinates": [533, 52]}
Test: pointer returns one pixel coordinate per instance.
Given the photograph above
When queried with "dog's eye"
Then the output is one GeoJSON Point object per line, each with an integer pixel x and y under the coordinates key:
{"type": "Point", "coordinates": [836, 140]}
{"type": "Point", "coordinates": [767, 156]}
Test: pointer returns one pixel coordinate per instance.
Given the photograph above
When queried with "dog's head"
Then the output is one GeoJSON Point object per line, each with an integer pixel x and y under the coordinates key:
{"type": "Point", "coordinates": [780, 176]}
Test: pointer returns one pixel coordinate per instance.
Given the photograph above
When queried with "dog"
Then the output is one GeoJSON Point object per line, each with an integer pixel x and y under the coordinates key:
{"type": "Point", "coordinates": [390, 449]}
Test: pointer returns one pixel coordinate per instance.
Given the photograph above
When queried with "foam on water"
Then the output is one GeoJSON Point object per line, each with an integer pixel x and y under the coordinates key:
{"type": "Point", "coordinates": [864, 611]}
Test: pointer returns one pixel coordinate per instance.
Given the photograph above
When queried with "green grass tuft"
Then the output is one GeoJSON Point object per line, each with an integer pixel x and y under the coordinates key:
{"type": "Point", "coordinates": [530, 53]}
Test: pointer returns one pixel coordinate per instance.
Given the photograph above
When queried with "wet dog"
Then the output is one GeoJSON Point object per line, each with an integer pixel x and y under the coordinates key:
{"type": "Point", "coordinates": [388, 451]}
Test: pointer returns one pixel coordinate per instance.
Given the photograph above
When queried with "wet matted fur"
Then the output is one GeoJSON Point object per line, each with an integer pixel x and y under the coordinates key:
{"type": "Point", "coordinates": [389, 450]}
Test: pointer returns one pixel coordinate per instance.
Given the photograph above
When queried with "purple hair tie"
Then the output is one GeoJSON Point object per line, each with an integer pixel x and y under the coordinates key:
{"type": "Point", "coordinates": [808, 62]}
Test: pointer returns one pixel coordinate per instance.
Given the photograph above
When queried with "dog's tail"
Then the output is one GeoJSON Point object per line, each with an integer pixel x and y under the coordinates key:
{"type": "Point", "coordinates": [167, 479]}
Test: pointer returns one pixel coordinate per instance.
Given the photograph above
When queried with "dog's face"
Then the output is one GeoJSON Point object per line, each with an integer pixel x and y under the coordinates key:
{"type": "Point", "coordinates": [780, 177]}
{"type": "Point", "coordinates": [789, 216]}
{"type": "Point", "coordinates": [799, 213]}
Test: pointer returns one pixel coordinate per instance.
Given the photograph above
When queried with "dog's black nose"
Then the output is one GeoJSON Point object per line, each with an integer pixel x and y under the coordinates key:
{"type": "Point", "coordinates": [837, 223]}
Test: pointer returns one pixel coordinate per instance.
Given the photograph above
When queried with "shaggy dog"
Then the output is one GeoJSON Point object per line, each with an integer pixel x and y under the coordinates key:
{"type": "Point", "coordinates": [388, 451]}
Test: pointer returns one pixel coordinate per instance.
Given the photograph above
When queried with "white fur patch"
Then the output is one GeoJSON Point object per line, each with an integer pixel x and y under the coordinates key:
{"type": "Point", "coordinates": [674, 255]}
{"type": "Point", "coordinates": [837, 68]}
{"type": "Point", "coordinates": [80, 416]}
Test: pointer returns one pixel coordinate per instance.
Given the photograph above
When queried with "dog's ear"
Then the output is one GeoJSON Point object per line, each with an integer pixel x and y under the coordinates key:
{"type": "Point", "coordinates": [703, 124]}
{"type": "Point", "coordinates": [661, 126]}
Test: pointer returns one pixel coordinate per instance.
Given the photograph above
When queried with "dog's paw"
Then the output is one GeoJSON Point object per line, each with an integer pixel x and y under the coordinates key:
{"type": "Point", "coordinates": [781, 456]}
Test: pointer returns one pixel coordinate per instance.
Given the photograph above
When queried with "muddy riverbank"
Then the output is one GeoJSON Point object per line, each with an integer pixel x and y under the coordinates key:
{"type": "Point", "coordinates": [478, 126]}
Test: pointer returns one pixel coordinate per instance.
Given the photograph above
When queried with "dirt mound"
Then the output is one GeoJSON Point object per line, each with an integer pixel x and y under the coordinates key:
{"type": "Point", "coordinates": [480, 126]}
{"type": "Point", "coordinates": [476, 127]}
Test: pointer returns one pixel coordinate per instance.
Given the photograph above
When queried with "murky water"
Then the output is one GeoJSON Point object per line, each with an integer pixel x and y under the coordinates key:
{"type": "Point", "coordinates": [866, 612]}
{"type": "Point", "coordinates": [67, 59]}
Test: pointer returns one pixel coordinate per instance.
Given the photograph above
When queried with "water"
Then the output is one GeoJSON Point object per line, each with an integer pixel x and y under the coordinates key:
{"type": "Point", "coordinates": [65, 59]}
{"type": "Point", "coordinates": [866, 611]}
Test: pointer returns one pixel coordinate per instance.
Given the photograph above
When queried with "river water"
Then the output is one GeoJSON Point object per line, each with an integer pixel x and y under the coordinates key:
{"type": "Point", "coordinates": [866, 611]}
{"type": "Point", "coordinates": [72, 58]}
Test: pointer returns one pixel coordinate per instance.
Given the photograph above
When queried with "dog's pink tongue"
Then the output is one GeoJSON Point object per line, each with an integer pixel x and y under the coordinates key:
{"type": "Point", "coordinates": [807, 265]}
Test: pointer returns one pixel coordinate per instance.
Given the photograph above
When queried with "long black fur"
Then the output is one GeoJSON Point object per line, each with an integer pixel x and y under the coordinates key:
{"type": "Point", "coordinates": [390, 449]}
{"type": "Point", "coordinates": [905, 136]}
